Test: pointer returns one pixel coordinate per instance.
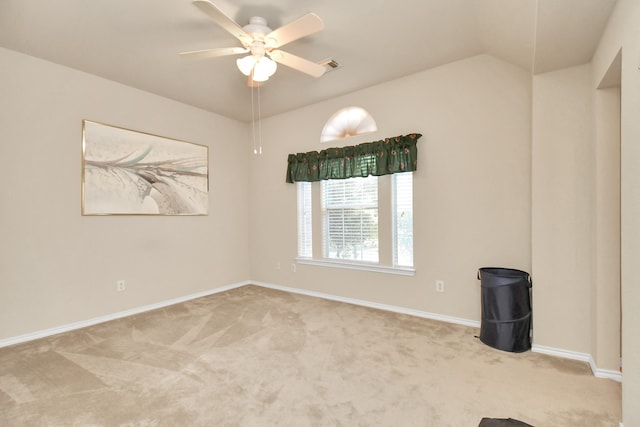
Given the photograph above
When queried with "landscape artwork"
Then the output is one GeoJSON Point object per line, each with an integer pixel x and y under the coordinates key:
{"type": "Point", "coordinates": [134, 173]}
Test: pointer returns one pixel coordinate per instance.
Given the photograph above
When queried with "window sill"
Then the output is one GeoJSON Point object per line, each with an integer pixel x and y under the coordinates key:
{"type": "Point", "coordinates": [402, 271]}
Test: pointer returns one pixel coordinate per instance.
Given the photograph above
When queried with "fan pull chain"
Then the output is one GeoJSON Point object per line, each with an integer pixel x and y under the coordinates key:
{"type": "Point", "coordinates": [253, 124]}
{"type": "Point", "coordinates": [259, 124]}
{"type": "Point", "coordinates": [257, 149]}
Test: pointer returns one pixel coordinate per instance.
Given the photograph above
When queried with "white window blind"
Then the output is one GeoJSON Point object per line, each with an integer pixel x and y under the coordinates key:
{"type": "Point", "coordinates": [350, 219]}
{"type": "Point", "coordinates": [402, 199]}
{"type": "Point", "coordinates": [305, 242]}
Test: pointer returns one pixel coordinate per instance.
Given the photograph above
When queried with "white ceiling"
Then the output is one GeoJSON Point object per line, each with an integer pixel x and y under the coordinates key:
{"type": "Point", "coordinates": [137, 42]}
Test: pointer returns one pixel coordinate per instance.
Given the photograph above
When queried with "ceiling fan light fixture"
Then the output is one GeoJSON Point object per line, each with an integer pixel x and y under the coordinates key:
{"type": "Point", "coordinates": [264, 69]}
{"type": "Point", "coordinates": [245, 65]}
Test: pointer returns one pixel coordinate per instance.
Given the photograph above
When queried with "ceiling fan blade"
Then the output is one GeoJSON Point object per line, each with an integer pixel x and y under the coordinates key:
{"type": "Point", "coordinates": [221, 18]}
{"type": "Point", "coordinates": [297, 63]}
{"type": "Point", "coordinates": [301, 27]}
{"type": "Point", "coordinates": [214, 53]}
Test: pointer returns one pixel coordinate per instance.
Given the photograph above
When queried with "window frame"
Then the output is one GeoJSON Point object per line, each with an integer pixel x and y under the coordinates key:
{"type": "Point", "coordinates": [386, 232]}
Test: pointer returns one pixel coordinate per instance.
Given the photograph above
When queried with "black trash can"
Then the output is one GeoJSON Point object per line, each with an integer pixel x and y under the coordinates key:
{"type": "Point", "coordinates": [506, 309]}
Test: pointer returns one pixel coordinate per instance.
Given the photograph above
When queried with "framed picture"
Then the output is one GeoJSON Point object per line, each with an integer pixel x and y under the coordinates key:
{"type": "Point", "coordinates": [125, 172]}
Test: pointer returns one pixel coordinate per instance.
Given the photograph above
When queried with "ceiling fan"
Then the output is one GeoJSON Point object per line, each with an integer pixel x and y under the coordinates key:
{"type": "Point", "coordinates": [262, 43]}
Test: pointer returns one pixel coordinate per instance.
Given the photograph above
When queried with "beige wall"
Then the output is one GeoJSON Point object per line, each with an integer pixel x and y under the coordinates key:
{"type": "Point", "coordinates": [576, 215]}
{"type": "Point", "coordinates": [472, 188]}
{"type": "Point", "coordinates": [563, 199]}
{"type": "Point", "coordinates": [606, 288]}
{"type": "Point", "coordinates": [58, 267]}
{"type": "Point", "coordinates": [623, 32]}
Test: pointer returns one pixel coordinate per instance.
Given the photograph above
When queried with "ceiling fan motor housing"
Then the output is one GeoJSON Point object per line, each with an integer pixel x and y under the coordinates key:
{"type": "Point", "coordinates": [257, 27]}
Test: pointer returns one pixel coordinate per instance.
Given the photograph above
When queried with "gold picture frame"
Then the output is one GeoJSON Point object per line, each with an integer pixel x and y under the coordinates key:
{"type": "Point", "coordinates": [125, 172]}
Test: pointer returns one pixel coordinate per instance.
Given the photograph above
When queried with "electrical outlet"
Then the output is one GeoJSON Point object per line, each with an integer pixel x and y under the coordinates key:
{"type": "Point", "coordinates": [440, 286]}
{"type": "Point", "coordinates": [278, 265]}
{"type": "Point", "coordinates": [120, 286]}
{"type": "Point", "coordinates": [293, 267]}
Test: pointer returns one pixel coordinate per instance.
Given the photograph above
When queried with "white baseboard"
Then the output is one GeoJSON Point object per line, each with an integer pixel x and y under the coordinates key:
{"type": "Point", "coordinates": [583, 357]}
{"type": "Point", "coordinates": [101, 319]}
{"type": "Point", "coordinates": [386, 307]}
{"type": "Point", "coordinates": [605, 373]}
{"type": "Point", "coordinates": [573, 355]}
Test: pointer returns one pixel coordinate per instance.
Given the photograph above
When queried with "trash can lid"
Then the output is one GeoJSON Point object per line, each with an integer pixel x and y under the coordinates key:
{"type": "Point", "coordinates": [502, 271]}
{"type": "Point", "coordinates": [500, 276]}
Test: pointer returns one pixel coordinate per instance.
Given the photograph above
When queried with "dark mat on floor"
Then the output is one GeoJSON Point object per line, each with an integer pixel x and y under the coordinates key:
{"type": "Point", "coordinates": [502, 422]}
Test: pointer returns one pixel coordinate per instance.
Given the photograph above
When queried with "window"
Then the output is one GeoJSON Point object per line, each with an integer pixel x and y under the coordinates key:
{"type": "Point", "coordinates": [348, 122]}
{"type": "Point", "coordinates": [403, 219]}
{"type": "Point", "coordinates": [304, 220]}
{"type": "Point", "coordinates": [350, 219]}
{"type": "Point", "coordinates": [361, 222]}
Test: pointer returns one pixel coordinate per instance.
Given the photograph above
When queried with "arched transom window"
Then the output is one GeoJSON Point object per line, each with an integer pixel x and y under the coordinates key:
{"type": "Point", "coordinates": [346, 122]}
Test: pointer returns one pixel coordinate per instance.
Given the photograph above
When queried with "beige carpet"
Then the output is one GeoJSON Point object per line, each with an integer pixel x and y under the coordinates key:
{"type": "Point", "coordinates": [259, 357]}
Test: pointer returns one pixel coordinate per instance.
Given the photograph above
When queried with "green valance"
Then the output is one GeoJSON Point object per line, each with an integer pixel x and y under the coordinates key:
{"type": "Point", "coordinates": [387, 156]}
